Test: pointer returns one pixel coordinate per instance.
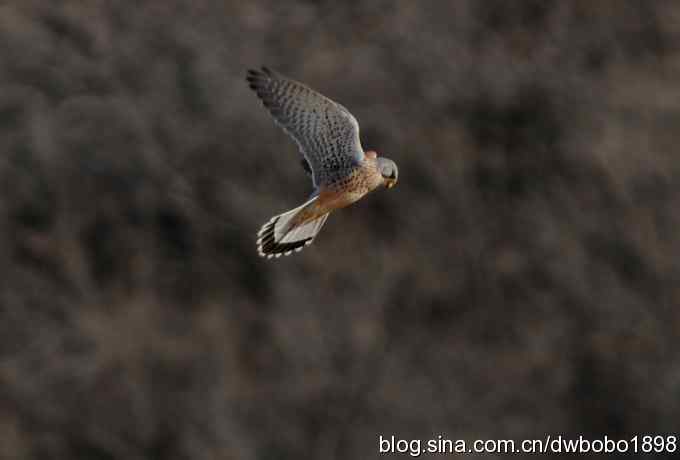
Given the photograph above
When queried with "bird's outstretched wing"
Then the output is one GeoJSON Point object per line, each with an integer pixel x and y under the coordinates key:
{"type": "Point", "coordinates": [325, 131]}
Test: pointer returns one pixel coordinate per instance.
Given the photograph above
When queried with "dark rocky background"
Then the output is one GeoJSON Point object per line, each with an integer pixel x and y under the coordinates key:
{"type": "Point", "coordinates": [522, 279]}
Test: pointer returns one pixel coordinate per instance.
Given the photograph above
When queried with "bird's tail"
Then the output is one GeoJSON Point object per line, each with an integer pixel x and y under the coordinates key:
{"type": "Point", "coordinates": [290, 231]}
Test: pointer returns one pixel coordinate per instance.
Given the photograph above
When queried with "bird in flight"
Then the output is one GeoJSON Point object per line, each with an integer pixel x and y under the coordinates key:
{"type": "Point", "coordinates": [328, 138]}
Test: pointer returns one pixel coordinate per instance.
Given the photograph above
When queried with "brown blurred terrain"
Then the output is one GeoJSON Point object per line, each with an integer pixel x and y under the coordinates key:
{"type": "Point", "coordinates": [522, 279]}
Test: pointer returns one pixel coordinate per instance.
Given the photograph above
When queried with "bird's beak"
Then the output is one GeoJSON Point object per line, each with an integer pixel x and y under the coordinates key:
{"type": "Point", "coordinates": [389, 183]}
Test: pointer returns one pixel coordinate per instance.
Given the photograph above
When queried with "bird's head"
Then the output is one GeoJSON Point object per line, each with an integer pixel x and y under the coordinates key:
{"type": "Point", "coordinates": [388, 171]}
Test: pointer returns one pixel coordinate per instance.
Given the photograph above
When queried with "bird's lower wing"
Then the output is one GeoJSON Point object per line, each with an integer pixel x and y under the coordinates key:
{"type": "Point", "coordinates": [326, 133]}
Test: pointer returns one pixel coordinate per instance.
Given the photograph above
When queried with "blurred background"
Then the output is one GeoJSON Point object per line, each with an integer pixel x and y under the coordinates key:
{"type": "Point", "coordinates": [522, 279]}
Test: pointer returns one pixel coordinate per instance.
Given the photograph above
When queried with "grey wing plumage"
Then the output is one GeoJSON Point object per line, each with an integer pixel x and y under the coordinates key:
{"type": "Point", "coordinates": [326, 133]}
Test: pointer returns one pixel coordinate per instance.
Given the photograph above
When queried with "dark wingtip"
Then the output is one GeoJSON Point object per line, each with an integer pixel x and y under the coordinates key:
{"type": "Point", "coordinates": [257, 76]}
{"type": "Point", "coordinates": [305, 166]}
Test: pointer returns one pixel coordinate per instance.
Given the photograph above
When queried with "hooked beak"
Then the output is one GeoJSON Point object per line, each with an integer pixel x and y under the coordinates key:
{"type": "Point", "coordinates": [389, 183]}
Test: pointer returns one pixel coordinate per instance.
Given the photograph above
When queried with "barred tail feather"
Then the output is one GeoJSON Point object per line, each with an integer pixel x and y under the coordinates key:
{"type": "Point", "coordinates": [277, 237]}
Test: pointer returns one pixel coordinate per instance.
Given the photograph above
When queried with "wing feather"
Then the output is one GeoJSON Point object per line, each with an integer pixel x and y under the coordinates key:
{"type": "Point", "coordinates": [326, 133]}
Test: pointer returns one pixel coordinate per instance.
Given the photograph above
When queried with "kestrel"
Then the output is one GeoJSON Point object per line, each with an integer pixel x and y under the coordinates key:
{"type": "Point", "coordinates": [328, 138]}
